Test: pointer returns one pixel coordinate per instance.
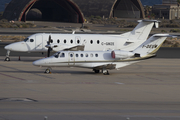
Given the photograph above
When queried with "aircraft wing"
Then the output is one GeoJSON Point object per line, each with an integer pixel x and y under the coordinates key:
{"type": "Point", "coordinates": [58, 47]}
{"type": "Point", "coordinates": [113, 65]}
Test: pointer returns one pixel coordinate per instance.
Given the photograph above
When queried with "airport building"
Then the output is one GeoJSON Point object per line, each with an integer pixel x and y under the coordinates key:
{"type": "Point", "coordinates": [73, 11]}
{"type": "Point", "coordinates": [168, 10]}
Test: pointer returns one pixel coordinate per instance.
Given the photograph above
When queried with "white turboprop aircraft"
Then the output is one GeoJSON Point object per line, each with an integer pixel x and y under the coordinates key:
{"type": "Point", "coordinates": [42, 42]}
{"type": "Point", "coordinates": [103, 60]}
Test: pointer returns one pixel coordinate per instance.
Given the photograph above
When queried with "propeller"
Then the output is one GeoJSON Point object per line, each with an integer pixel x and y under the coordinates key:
{"type": "Point", "coordinates": [49, 48]}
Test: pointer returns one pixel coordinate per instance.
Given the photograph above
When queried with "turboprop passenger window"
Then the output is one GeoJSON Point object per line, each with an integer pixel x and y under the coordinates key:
{"type": "Point", "coordinates": [91, 42]}
{"type": "Point", "coordinates": [64, 41]}
{"type": "Point", "coordinates": [51, 41]}
{"type": "Point", "coordinates": [81, 55]}
{"type": "Point", "coordinates": [78, 41]}
{"type": "Point", "coordinates": [77, 55]}
{"type": "Point", "coordinates": [86, 55]}
{"type": "Point", "coordinates": [31, 40]}
{"type": "Point", "coordinates": [58, 41]}
{"type": "Point", "coordinates": [71, 55]}
{"type": "Point", "coordinates": [71, 41]}
{"type": "Point", "coordinates": [98, 42]}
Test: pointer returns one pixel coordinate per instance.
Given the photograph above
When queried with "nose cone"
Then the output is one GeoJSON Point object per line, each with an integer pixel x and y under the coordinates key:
{"type": "Point", "coordinates": [43, 62]}
{"type": "Point", "coordinates": [18, 46]}
{"type": "Point", "coordinates": [38, 62]}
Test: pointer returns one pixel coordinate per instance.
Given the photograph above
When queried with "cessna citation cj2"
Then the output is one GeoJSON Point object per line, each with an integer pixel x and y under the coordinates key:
{"type": "Point", "coordinates": [103, 60]}
{"type": "Point", "coordinates": [42, 42]}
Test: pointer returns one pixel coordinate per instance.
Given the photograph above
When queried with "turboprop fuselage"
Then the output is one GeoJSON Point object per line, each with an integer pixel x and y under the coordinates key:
{"type": "Point", "coordinates": [87, 42]}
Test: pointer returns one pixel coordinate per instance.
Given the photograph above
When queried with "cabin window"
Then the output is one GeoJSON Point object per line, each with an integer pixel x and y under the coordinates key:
{"type": "Point", "coordinates": [96, 55]}
{"type": "Point", "coordinates": [71, 55]}
{"type": "Point", "coordinates": [98, 41]}
{"type": "Point", "coordinates": [64, 41]}
{"type": "Point", "coordinates": [71, 41]}
{"type": "Point", "coordinates": [77, 55]}
{"type": "Point", "coordinates": [26, 39]}
{"type": "Point", "coordinates": [91, 41]}
{"type": "Point", "coordinates": [86, 55]}
{"type": "Point", "coordinates": [78, 41]}
{"type": "Point", "coordinates": [58, 41]}
{"type": "Point", "coordinates": [51, 41]}
{"type": "Point", "coordinates": [62, 55]}
{"type": "Point", "coordinates": [81, 55]}
{"type": "Point", "coordinates": [31, 40]}
{"type": "Point", "coordinates": [91, 55]}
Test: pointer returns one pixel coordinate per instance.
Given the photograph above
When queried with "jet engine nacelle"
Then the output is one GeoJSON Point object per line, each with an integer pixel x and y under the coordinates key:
{"type": "Point", "coordinates": [120, 54]}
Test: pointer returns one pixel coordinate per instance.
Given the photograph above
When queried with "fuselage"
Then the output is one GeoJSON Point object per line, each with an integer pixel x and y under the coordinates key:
{"type": "Point", "coordinates": [85, 59]}
{"type": "Point", "coordinates": [91, 42]}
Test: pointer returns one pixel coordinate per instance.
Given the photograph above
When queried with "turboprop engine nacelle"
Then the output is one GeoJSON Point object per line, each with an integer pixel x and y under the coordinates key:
{"type": "Point", "coordinates": [120, 54]}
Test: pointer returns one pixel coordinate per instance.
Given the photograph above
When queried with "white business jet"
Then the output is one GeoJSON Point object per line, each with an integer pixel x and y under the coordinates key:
{"type": "Point", "coordinates": [43, 42]}
{"type": "Point", "coordinates": [103, 60]}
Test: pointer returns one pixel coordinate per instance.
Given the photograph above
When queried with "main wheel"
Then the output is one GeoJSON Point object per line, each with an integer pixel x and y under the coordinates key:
{"type": "Point", "coordinates": [7, 59]}
{"type": "Point", "coordinates": [47, 71]}
{"type": "Point", "coordinates": [105, 72]}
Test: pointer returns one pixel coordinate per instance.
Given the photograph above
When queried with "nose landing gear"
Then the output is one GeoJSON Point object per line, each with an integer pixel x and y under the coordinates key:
{"type": "Point", "coordinates": [7, 56]}
{"type": "Point", "coordinates": [48, 70]}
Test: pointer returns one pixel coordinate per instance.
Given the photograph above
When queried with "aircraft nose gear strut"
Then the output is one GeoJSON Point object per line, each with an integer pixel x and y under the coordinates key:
{"type": "Point", "coordinates": [7, 56]}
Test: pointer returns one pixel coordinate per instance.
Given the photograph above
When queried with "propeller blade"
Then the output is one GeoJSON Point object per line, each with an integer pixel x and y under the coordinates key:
{"type": "Point", "coordinates": [48, 44]}
{"type": "Point", "coordinates": [49, 40]}
{"type": "Point", "coordinates": [49, 50]}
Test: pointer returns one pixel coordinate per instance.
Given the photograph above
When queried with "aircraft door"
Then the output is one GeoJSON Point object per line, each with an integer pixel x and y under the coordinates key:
{"type": "Point", "coordinates": [71, 59]}
{"type": "Point", "coordinates": [39, 42]}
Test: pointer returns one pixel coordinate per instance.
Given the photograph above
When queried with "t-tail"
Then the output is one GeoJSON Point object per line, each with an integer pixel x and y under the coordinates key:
{"type": "Point", "coordinates": [151, 46]}
{"type": "Point", "coordinates": [141, 31]}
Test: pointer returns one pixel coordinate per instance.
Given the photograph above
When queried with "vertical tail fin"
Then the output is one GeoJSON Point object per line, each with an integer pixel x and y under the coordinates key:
{"type": "Point", "coordinates": [152, 45]}
{"type": "Point", "coordinates": [141, 31]}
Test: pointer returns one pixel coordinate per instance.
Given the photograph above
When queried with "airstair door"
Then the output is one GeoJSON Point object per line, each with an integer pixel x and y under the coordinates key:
{"type": "Point", "coordinates": [71, 59]}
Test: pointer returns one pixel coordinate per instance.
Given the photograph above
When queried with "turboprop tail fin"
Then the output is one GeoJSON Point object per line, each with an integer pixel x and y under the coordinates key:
{"type": "Point", "coordinates": [141, 31]}
{"type": "Point", "coordinates": [151, 46]}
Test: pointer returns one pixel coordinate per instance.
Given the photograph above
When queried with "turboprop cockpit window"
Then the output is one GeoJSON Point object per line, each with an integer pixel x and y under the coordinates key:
{"type": "Point", "coordinates": [26, 39]}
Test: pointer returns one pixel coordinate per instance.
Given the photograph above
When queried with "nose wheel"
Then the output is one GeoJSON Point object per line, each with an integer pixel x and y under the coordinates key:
{"type": "Point", "coordinates": [7, 59]}
{"type": "Point", "coordinates": [48, 71]}
{"type": "Point", "coordinates": [7, 56]}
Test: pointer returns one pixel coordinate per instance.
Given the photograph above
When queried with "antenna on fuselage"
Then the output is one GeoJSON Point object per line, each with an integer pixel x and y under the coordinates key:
{"type": "Point", "coordinates": [73, 32]}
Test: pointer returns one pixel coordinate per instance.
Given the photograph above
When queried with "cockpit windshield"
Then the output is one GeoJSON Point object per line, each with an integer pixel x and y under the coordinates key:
{"type": "Point", "coordinates": [56, 55]}
{"type": "Point", "coordinates": [26, 39]}
{"type": "Point", "coordinates": [59, 54]}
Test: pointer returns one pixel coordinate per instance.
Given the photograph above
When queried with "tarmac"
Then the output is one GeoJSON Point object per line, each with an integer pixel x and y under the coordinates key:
{"type": "Point", "coordinates": [147, 90]}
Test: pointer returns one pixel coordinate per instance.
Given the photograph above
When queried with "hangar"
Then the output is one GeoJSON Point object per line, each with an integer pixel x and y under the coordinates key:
{"type": "Point", "coordinates": [72, 10]}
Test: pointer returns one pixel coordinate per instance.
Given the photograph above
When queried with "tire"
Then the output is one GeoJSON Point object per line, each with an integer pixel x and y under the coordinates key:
{"type": "Point", "coordinates": [47, 71]}
{"type": "Point", "coordinates": [7, 59]}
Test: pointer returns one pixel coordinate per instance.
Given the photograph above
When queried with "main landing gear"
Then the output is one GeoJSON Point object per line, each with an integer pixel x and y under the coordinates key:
{"type": "Point", "coordinates": [105, 72]}
{"type": "Point", "coordinates": [7, 56]}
